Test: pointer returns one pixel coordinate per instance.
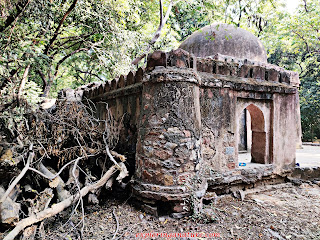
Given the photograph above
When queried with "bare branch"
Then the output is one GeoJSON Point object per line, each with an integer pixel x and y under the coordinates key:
{"type": "Point", "coordinates": [60, 171]}
{"type": "Point", "coordinates": [305, 5]}
{"type": "Point", "coordinates": [23, 82]}
{"type": "Point", "coordinates": [55, 209]}
{"type": "Point", "coordinates": [304, 40]}
{"type": "Point", "coordinates": [18, 178]}
{"type": "Point", "coordinates": [90, 73]}
{"type": "Point", "coordinates": [117, 221]}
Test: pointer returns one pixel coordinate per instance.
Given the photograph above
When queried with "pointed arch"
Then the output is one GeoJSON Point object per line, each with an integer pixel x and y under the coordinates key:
{"type": "Point", "coordinates": [258, 134]}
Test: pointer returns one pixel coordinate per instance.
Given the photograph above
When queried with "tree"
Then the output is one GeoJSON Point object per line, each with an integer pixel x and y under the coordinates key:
{"type": "Point", "coordinates": [68, 43]}
{"type": "Point", "coordinates": [293, 42]}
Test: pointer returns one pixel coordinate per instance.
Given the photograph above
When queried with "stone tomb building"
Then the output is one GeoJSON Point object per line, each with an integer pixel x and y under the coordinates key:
{"type": "Point", "coordinates": [185, 118]}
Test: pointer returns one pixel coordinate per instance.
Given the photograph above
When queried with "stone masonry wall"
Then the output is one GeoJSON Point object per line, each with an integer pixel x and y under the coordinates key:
{"type": "Point", "coordinates": [180, 118]}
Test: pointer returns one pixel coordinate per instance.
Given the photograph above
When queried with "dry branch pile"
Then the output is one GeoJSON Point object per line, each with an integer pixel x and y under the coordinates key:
{"type": "Point", "coordinates": [50, 160]}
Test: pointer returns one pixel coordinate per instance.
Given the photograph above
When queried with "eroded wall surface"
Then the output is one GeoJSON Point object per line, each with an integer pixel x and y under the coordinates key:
{"type": "Point", "coordinates": [180, 119]}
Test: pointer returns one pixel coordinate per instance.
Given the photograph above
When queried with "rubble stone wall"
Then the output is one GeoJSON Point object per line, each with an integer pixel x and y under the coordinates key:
{"type": "Point", "coordinates": [180, 118]}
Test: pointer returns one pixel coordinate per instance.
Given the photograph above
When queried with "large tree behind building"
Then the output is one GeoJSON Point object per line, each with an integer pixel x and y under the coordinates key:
{"type": "Point", "coordinates": [49, 45]}
{"type": "Point", "coordinates": [60, 44]}
{"type": "Point", "coordinates": [293, 42]}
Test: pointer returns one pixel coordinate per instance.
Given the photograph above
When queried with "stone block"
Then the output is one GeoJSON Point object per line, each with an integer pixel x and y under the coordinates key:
{"type": "Point", "coordinates": [273, 75]}
{"type": "Point", "coordinates": [167, 180]}
{"type": "Point", "coordinates": [107, 86]}
{"type": "Point", "coordinates": [259, 72]}
{"type": "Point", "coordinates": [233, 68]}
{"type": "Point", "coordinates": [223, 68]}
{"type": "Point", "coordinates": [147, 176]}
{"type": "Point", "coordinates": [170, 145]}
{"type": "Point", "coordinates": [244, 71]}
{"type": "Point", "coordinates": [184, 178]}
{"type": "Point", "coordinates": [163, 154]}
{"type": "Point", "coordinates": [284, 77]}
{"type": "Point", "coordinates": [205, 65]}
{"type": "Point", "coordinates": [114, 84]}
{"type": "Point", "coordinates": [150, 164]}
{"type": "Point", "coordinates": [139, 76]}
{"type": "Point", "coordinates": [148, 151]}
{"type": "Point", "coordinates": [188, 167]}
{"type": "Point", "coordinates": [130, 79]}
{"type": "Point", "coordinates": [199, 65]}
{"type": "Point", "coordinates": [101, 89]}
{"type": "Point", "coordinates": [157, 58]}
{"type": "Point", "coordinates": [121, 82]}
{"type": "Point", "coordinates": [179, 58]}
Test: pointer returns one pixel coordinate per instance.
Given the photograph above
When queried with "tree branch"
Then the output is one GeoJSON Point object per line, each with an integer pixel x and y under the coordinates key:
{"type": "Point", "coordinates": [66, 57]}
{"type": "Point", "coordinates": [18, 178]}
{"type": "Point", "coordinates": [43, 78]}
{"type": "Point", "coordinates": [305, 5]}
{"type": "Point", "coordinates": [305, 41]}
{"type": "Point", "coordinates": [158, 32]}
{"type": "Point", "coordinates": [20, 6]}
{"type": "Point", "coordinates": [56, 208]}
{"type": "Point", "coordinates": [23, 82]}
{"type": "Point", "coordinates": [90, 73]}
{"type": "Point", "coordinates": [56, 33]}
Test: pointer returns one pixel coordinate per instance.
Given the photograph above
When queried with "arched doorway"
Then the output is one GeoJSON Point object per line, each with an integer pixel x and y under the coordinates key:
{"type": "Point", "coordinates": [252, 134]}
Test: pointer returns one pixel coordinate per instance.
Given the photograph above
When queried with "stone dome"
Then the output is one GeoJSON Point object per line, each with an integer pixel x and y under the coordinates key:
{"type": "Point", "coordinates": [225, 39]}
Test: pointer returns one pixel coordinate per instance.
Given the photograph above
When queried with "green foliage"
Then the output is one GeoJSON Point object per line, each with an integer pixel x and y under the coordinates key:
{"type": "Point", "coordinates": [293, 42]}
{"type": "Point", "coordinates": [32, 93]}
{"type": "Point", "coordinates": [96, 42]}
{"type": "Point", "coordinates": [71, 43]}
{"type": "Point", "coordinates": [98, 39]}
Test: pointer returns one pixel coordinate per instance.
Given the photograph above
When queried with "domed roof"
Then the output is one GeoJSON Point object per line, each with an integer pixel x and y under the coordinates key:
{"type": "Point", "coordinates": [225, 39]}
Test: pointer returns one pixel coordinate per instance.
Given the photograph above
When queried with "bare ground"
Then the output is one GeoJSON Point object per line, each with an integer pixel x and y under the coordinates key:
{"type": "Point", "coordinates": [283, 211]}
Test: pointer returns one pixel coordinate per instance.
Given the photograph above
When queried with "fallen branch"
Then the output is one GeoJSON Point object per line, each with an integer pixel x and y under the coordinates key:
{"type": "Point", "coordinates": [18, 178]}
{"type": "Point", "coordinates": [57, 208]}
{"type": "Point", "coordinates": [117, 229]}
{"type": "Point", "coordinates": [51, 177]}
{"type": "Point", "coordinates": [120, 156]}
{"type": "Point", "coordinates": [57, 183]}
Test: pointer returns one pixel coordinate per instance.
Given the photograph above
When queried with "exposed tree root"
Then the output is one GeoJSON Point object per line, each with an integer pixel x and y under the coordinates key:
{"type": "Point", "coordinates": [40, 149]}
{"type": "Point", "coordinates": [59, 207]}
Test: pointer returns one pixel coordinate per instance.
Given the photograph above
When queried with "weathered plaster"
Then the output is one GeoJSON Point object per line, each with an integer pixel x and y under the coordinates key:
{"type": "Point", "coordinates": [179, 122]}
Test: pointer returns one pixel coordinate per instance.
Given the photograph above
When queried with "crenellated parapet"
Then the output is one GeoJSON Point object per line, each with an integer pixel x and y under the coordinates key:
{"type": "Point", "coordinates": [215, 71]}
{"type": "Point", "coordinates": [96, 90]}
{"type": "Point", "coordinates": [226, 66]}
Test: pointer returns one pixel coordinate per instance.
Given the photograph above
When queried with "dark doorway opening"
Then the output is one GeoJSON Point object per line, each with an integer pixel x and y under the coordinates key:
{"type": "Point", "coordinates": [252, 134]}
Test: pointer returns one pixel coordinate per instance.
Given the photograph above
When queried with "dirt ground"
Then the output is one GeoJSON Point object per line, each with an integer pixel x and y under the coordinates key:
{"type": "Point", "coordinates": [283, 211]}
